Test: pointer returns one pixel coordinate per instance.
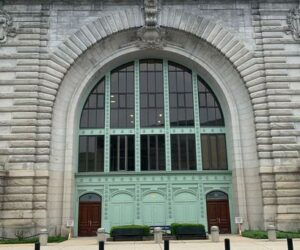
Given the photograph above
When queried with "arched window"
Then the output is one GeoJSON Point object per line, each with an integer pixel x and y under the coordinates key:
{"type": "Point", "coordinates": [216, 195]}
{"type": "Point", "coordinates": [152, 115]}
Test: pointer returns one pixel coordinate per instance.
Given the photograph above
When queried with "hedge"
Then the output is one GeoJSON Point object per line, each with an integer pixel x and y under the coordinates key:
{"type": "Point", "coordinates": [174, 226]}
{"type": "Point", "coordinates": [51, 239]}
{"type": "Point", "coordinates": [259, 234]}
{"type": "Point", "coordinates": [145, 228]}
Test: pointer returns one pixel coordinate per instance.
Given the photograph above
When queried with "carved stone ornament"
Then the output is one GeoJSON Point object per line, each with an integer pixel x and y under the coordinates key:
{"type": "Point", "coordinates": [6, 28]}
{"type": "Point", "coordinates": [151, 35]}
{"type": "Point", "coordinates": [293, 21]}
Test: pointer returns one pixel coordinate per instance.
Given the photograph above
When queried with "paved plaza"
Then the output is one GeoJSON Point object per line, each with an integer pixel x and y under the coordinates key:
{"type": "Point", "coordinates": [237, 243]}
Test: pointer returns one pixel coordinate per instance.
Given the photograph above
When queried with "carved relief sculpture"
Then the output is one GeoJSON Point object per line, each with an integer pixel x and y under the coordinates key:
{"type": "Point", "coordinates": [293, 21]}
{"type": "Point", "coordinates": [6, 28]}
{"type": "Point", "coordinates": [151, 35]}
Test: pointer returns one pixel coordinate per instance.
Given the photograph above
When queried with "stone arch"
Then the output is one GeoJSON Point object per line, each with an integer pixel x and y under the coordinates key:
{"type": "Point", "coordinates": [83, 60]}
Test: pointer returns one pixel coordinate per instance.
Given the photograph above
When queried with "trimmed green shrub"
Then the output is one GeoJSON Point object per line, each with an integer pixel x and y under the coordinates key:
{"type": "Point", "coordinates": [57, 239]}
{"type": "Point", "coordinates": [145, 228]}
{"type": "Point", "coordinates": [259, 234]}
{"type": "Point", "coordinates": [174, 226]}
{"type": "Point", "coordinates": [51, 239]}
{"type": "Point", "coordinates": [255, 234]}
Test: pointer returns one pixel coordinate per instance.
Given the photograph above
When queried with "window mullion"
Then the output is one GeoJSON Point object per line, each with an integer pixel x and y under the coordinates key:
{"type": "Point", "coordinates": [137, 133]}
{"type": "Point", "coordinates": [197, 122]}
{"type": "Point", "coordinates": [167, 116]}
{"type": "Point", "coordinates": [107, 124]}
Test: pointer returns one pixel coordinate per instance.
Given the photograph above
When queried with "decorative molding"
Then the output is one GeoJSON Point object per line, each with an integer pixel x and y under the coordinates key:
{"type": "Point", "coordinates": [293, 21]}
{"type": "Point", "coordinates": [6, 26]}
{"type": "Point", "coordinates": [151, 35]}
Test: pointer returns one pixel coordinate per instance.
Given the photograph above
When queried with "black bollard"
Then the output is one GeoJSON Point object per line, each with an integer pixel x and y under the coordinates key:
{"type": "Point", "coordinates": [37, 246]}
{"type": "Point", "coordinates": [290, 244]}
{"type": "Point", "coordinates": [166, 245]}
{"type": "Point", "coordinates": [227, 244]}
{"type": "Point", "coordinates": [101, 245]}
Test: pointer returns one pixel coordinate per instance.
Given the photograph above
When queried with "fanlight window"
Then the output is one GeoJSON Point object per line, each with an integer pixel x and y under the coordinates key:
{"type": "Point", "coordinates": [152, 115]}
{"type": "Point", "coordinates": [217, 195]}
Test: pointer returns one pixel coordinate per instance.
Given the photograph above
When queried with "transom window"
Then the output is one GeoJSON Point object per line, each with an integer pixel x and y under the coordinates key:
{"type": "Point", "coordinates": [152, 115]}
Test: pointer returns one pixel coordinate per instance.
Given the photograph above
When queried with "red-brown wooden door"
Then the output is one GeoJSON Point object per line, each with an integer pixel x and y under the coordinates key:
{"type": "Point", "coordinates": [218, 215]}
{"type": "Point", "coordinates": [89, 218]}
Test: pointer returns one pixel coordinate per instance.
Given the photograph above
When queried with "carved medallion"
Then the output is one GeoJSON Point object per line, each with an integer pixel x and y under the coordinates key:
{"type": "Point", "coordinates": [6, 28]}
{"type": "Point", "coordinates": [151, 35]}
{"type": "Point", "coordinates": [293, 21]}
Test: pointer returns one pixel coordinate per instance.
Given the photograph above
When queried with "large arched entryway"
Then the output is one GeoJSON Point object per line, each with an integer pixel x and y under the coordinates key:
{"type": "Point", "coordinates": [218, 211]}
{"type": "Point", "coordinates": [89, 214]}
{"type": "Point", "coordinates": [107, 178]}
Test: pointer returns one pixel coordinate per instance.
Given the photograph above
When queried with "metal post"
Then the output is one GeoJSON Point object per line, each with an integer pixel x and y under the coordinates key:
{"type": "Point", "coordinates": [290, 244]}
{"type": "Point", "coordinates": [166, 245]}
{"type": "Point", "coordinates": [37, 246]}
{"type": "Point", "coordinates": [101, 245]}
{"type": "Point", "coordinates": [227, 244]}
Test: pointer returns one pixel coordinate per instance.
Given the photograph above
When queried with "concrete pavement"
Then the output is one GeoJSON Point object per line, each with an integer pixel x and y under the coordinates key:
{"type": "Point", "coordinates": [237, 243]}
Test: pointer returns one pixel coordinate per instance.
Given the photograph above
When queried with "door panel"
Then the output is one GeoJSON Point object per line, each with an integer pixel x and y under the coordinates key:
{"type": "Point", "coordinates": [154, 213]}
{"type": "Point", "coordinates": [122, 214]}
{"type": "Point", "coordinates": [89, 218]}
{"type": "Point", "coordinates": [186, 212]}
{"type": "Point", "coordinates": [218, 215]}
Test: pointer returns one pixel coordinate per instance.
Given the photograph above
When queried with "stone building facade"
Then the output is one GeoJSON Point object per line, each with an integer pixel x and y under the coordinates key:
{"type": "Point", "coordinates": [53, 53]}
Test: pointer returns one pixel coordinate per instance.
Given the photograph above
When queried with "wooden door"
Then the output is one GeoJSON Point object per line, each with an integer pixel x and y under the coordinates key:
{"type": "Point", "coordinates": [218, 215]}
{"type": "Point", "coordinates": [89, 218]}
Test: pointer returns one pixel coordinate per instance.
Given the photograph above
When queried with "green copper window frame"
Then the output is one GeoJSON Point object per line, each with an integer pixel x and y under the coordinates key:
{"type": "Point", "coordinates": [166, 130]}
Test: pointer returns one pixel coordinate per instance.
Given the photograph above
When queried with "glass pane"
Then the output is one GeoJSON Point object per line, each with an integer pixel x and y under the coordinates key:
{"type": "Point", "coordinates": [143, 118]}
{"type": "Point", "coordinates": [90, 198]}
{"type": "Point", "coordinates": [92, 118]}
{"type": "Point", "coordinates": [151, 97]}
{"type": "Point", "coordinates": [209, 105]}
{"type": "Point", "coordinates": [91, 153]}
{"type": "Point", "coordinates": [130, 148]}
{"type": "Point", "coordinates": [181, 94]}
{"type": "Point", "coordinates": [175, 152]}
{"type": "Point", "coordinates": [160, 100]}
{"type": "Point", "coordinates": [82, 154]}
{"type": "Point", "coordinates": [161, 150]}
{"type": "Point", "coordinates": [100, 118]}
{"type": "Point", "coordinates": [213, 152]}
{"type": "Point", "coordinates": [100, 101]}
{"type": "Point", "coordinates": [122, 96]}
{"type": "Point", "coordinates": [100, 154]}
{"type": "Point", "coordinates": [84, 119]}
{"type": "Point", "coordinates": [222, 152]}
{"type": "Point", "coordinates": [192, 152]}
{"type": "Point", "coordinates": [113, 153]}
{"type": "Point", "coordinates": [92, 101]}
{"type": "Point", "coordinates": [217, 195]}
{"type": "Point", "coordinates": [144, 153]}
{"type": "Point", "coordinates": [152, 152]}
{"type": "Point", "coordinates": [93, 107]}
{"type": "Point", "coordinates": [114, 117]}
{"type": "Point", "coordinates": [183, 152]}
{"type": "Point", "coordinates": [205, 152]}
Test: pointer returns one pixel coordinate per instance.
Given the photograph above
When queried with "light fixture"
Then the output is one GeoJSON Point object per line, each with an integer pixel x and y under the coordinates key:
{"type": "Point", "coordinates": [160, 115]}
